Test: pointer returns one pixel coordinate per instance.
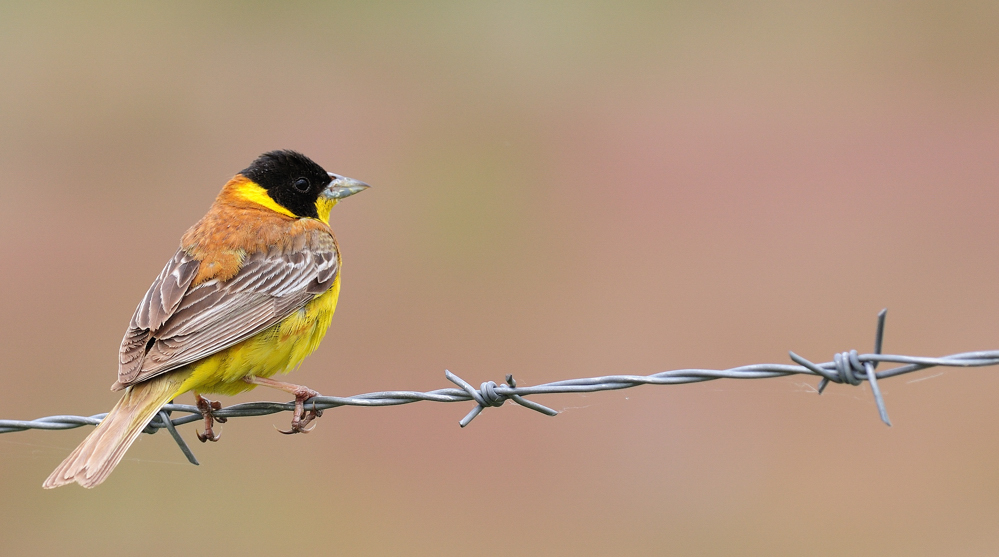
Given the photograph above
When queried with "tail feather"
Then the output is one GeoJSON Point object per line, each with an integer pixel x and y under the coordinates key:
{"type": "Point", "coordinates": [92, 462]}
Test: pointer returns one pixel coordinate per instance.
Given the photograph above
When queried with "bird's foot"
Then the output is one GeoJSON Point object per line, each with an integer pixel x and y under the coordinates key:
{"type": "Point", "coordinates": [207, 408]}
{"type": "Point", "coordinates": [301, 419]}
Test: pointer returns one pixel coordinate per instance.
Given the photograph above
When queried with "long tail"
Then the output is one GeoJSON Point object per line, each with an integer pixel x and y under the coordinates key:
{"type": "Point", "coordinates": [95, 458]}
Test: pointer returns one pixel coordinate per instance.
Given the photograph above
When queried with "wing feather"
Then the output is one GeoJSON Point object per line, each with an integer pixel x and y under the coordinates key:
{"type": "Point", "coordinates": [177, 324]}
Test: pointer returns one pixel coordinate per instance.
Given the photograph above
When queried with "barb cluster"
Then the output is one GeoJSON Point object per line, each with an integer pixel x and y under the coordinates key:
{"type": "Point", "coordinates": [849, 367]}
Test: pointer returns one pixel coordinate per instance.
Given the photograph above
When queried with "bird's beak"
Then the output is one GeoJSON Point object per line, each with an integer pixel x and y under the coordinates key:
{"type": "Point", "coordinates": [342, 186]}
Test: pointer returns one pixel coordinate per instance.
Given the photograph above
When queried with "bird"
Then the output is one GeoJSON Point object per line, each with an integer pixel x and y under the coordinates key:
{"type": "Point", "coordinates": [249, 293]}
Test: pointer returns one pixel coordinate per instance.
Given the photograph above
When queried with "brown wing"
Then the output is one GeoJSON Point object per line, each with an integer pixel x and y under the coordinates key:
{"type": "Point", "coordinates": [177, 324]}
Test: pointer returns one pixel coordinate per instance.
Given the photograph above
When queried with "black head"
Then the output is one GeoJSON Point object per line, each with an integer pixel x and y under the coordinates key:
{"type": "Point", "coordinates": [291, 179]}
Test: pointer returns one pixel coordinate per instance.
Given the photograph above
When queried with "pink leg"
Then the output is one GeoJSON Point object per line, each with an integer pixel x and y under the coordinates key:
{"type": "Point", "coordinates": [300, 419]}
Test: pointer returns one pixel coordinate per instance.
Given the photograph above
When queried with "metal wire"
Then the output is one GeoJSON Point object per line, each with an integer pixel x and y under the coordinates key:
{"type": "Point", "coordinates": [846, 368]}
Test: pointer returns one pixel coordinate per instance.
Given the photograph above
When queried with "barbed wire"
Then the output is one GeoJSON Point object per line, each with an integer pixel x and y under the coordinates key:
{"type": "Point", "coordinates": [849, 367]}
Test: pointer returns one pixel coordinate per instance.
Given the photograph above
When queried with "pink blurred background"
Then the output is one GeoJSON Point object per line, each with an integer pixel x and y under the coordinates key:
{"type": "Point", "coordinates": [560, 190]}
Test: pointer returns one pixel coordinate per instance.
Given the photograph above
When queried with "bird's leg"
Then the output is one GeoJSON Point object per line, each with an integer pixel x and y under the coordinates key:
{"type": "Point", "coordinates": [300, 419]}
{"type": "Point", "coordinates": [207, 408]}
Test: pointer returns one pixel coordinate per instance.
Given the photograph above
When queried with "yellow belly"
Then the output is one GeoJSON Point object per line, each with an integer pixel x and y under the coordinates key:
{"type": "Point", "coordinates": [277, 349]}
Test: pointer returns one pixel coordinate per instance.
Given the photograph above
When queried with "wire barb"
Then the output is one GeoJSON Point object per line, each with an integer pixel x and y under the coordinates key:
{"type": "Point", "coordinates": [870, 367]}
{"type": "Point", "coordinates": [164, 417]}
{"type": "Point", "coordinates": [846, 367]}
{"type": "Point", "coordinates": [849, 368]}
{"type": "Point", "coordinates": [490, 394]}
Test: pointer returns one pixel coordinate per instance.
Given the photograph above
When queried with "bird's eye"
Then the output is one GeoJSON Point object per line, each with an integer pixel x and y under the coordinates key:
{"type": "Point", "coordinates": [302, 185]}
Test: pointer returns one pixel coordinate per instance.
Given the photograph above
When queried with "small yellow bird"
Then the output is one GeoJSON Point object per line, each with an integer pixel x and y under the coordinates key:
{"type": "Point", "coordinates": [250, 293]}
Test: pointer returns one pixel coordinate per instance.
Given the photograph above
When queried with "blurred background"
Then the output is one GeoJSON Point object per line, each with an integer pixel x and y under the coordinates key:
{"type": "Point", "coordinates": [559, 190]}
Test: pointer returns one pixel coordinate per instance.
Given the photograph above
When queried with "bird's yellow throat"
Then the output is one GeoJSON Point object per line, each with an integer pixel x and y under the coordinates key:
{"type": "Point", "coordinates": [255, 193]}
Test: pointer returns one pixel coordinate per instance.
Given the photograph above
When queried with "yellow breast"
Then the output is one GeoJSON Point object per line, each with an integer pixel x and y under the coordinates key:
{"type": "Point", "coordinates": [277, 349]}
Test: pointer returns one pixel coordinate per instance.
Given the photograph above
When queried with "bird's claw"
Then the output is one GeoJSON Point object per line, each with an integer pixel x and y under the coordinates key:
{"type": "Point", "coordinates": [207, 408]}
{"type": "Point", "coordinates": [208, 435]}
{"type": "Point", "coordinates": [302, 418]}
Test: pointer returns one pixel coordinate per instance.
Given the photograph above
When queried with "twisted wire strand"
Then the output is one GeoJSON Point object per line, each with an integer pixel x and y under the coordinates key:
{"type": "Point", "coordinates": [851, 368]}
